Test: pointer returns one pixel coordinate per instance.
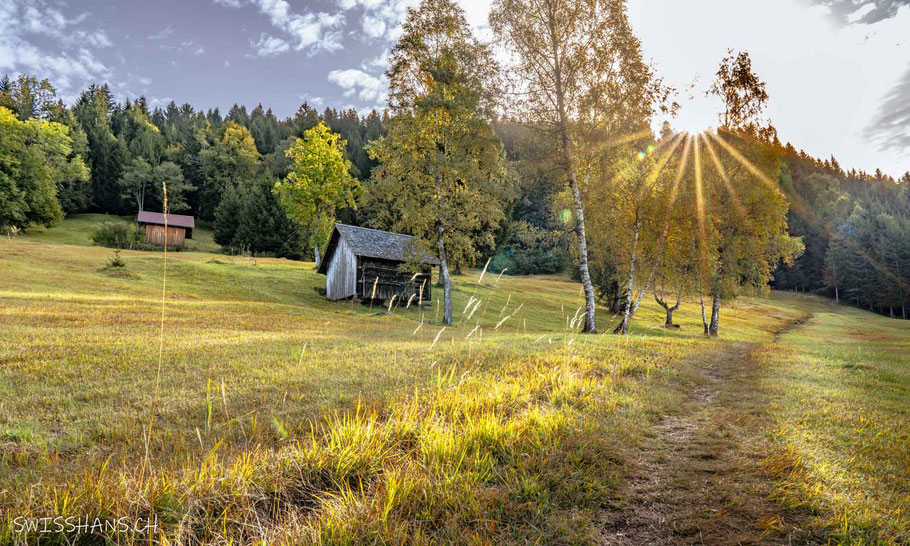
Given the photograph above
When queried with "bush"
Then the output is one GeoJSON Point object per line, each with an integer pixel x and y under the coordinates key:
{"type": "Point", "coordinates": [116, 235]}
{"type": "Point", "coordinates": [502, 261]}
{"type": "Point", "coordinates": [530, 250]}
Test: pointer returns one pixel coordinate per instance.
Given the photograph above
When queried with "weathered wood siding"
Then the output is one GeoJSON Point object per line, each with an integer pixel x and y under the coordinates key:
{"type": "Point", "coordinates": [341, 276]}
{"type": "Point", "coordinates": [154, 234]}
{"type": "Point", "coordinates": [381, 279]}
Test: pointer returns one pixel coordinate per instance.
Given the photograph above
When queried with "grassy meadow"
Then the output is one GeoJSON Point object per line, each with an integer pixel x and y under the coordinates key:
{"type": "Point", "coordinates": [258, 410]}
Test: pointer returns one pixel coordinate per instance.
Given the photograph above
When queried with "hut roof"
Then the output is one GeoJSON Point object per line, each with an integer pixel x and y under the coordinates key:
{"type": "Point", "coordinates": [374, 243]}
{"type": "Point", "coordinates": [174, 220]}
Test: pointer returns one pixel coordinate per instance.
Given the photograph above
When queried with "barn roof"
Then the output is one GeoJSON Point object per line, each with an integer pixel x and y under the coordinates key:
{"type": "Point", "coordinates": [374, 243]}
{"type": "Point", "coordinates": [157, 218]}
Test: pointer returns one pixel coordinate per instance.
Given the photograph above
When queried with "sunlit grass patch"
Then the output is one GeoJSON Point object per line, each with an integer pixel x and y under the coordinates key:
{"type": "Point", "coordinates": [843, 382]}
{"type": "Point", "coordinates": [282, 416]}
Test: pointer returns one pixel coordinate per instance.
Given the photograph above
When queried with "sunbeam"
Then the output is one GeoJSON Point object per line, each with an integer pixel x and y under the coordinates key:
{"type": "Point", "coordinates": [756, 172]}
{"type": "Point", "coordinates": [800, 207]}
{"type": "Point", "coordinates": [662, 161]}
{"type": "Point", "coordinates": [700, 205]}
{"type": "Point", "coordinates": [680, 172]}
{"type": "Point", "coordinates": [619, 141]}
{"type": "Point", "coordinates": [726, 180]}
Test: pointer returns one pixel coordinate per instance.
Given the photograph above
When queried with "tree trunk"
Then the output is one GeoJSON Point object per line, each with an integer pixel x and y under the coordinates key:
{"type": "Point", "coordinates": [316, 254]}
{"type": "Point", "coordinates": [667, 309]}
{"type": "Point", "coordinates": [590, 326]}
{"type": "Point", "coordinates": [616, 302]}
{"type": "Point", "coordinates": [715, 315]}
{"type": "Point", "coordinates": [623, 327]}
{"type": "Point", "coordinates": [444, 278]}
{"type": "Point", "coordinates": [569, 165]}
{"type": "Point", "coordinates": [836, 289]}
{"type": "Point", "coordinates": [900, 287]}
{"type": "Point", "coordinates": [704, 319]}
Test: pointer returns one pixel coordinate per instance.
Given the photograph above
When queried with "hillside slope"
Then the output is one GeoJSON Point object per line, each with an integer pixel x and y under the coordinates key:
{"type": "Point", "coordinates": [273, 413]}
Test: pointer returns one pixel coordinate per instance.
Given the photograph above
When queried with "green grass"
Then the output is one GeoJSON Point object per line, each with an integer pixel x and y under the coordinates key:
{"type": "Point", "coordinates": [843, 421]}
{"type": "Point", "coordinates": [279, 415]}
{"type": "Point", "coordinates": [77, 230]}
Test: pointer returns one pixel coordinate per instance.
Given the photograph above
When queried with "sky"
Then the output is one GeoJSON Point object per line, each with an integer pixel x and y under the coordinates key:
{"type": "Point", "coordinates": [837, 71]}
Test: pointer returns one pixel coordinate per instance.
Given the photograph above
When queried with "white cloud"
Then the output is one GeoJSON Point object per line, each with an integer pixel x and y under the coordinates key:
{"type": "Point", "coordinates": [50, 21]}
{"type": "Point", "coordinates": [382, 19]}
{"type": "Point", "coordinates": [95, 38]}
{"type": "Point", "coordinates": [187, 46]}
{"type": "Point", "coordinates": [858, 15]}
{"type": "Point", "coordinates": [358, 83]}
{"type": "Point", "coordinates": [381, 61]}
{"type": "Point", "coordinates": [69, 63]}
{"type": "Point", "coordinates": [373, 27]}
{"type": "Point", "coordinates": [268, 46]}
{"type": "Point", "coordinates": [311, 100]}
{"type": "Point", "coordinates": [311, 31]}
{"type": "Point", "coordinates": [145, 81]}
{"type": "Point", "coordinates": [162, 34]}
{"type": "Point", "coordinates": [160, 101]}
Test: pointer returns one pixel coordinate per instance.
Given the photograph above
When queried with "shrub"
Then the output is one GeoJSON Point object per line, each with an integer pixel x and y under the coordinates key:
{"type": "Point", "coordinates": [116, 235]}
{"type": "Point", "coordinates": [530, 250]}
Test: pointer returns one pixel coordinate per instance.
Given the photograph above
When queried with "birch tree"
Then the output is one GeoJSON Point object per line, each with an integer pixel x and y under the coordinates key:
{"type": "Point", "coordinates": [579, 70]}
{"type": "Point", "coordinates": [743, 212]}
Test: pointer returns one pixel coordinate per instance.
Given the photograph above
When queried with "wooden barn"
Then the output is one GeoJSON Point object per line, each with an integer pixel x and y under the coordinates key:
{"type": "Point", "coordinates": [358, 259]}
{"type": "Point", "coordinates": [179, 228]}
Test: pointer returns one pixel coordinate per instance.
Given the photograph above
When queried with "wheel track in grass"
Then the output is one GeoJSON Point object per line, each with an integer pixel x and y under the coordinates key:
{"type": "Point", "coordinates": [697, 478]}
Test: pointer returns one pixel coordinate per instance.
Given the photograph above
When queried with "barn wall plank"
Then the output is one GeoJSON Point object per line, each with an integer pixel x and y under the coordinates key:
{"type": "Point", "coordinates": [155, 235]}
{"type": "Point", "coordinates": [341, 276]}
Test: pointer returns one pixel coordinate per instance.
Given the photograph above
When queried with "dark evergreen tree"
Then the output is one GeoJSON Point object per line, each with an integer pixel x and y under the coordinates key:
{"type": "Point", "coordinates": [106, 154]}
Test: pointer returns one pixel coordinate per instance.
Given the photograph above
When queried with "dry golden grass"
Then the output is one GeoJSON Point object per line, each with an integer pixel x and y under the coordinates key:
{"type": "Point", "coordinates": [284, 417]}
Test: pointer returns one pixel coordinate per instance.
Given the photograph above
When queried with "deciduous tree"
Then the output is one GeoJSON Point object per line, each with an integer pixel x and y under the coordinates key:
{"type": "Point", "coordinates": [582, 78]}
{"type": "Point", "coordinates": [141, 180]}
{"type": "Point", "coordinates": [319, 183]}
{"type": "Point", "coordinates": [441, 172]}
{"type": "Point", "coordinates": [232, 160]}
{"type": "Point", "coordinates": [35, 156]}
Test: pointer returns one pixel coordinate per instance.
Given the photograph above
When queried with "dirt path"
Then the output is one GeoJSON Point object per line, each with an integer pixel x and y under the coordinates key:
{"type": "Point", "coordinates": [698, 478]}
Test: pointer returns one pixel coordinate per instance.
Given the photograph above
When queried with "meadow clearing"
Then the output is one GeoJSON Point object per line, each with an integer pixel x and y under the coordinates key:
{"type": "Point", "coordinates": [269, 413]}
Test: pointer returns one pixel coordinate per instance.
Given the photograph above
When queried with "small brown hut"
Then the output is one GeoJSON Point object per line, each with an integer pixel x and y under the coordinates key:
{"type": "Point", "coordinates": [358, 259]}
{"type": "Point", "coordinates": [179, 228]}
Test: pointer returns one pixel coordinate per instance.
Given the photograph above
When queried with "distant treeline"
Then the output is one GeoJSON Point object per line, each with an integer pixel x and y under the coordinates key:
{"type": "Point", "coordinates": [113, 157]}
{"type": "Point", "coordinates": [209, 160]}
{"type": "Point", "coordinates": [856, 229]}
